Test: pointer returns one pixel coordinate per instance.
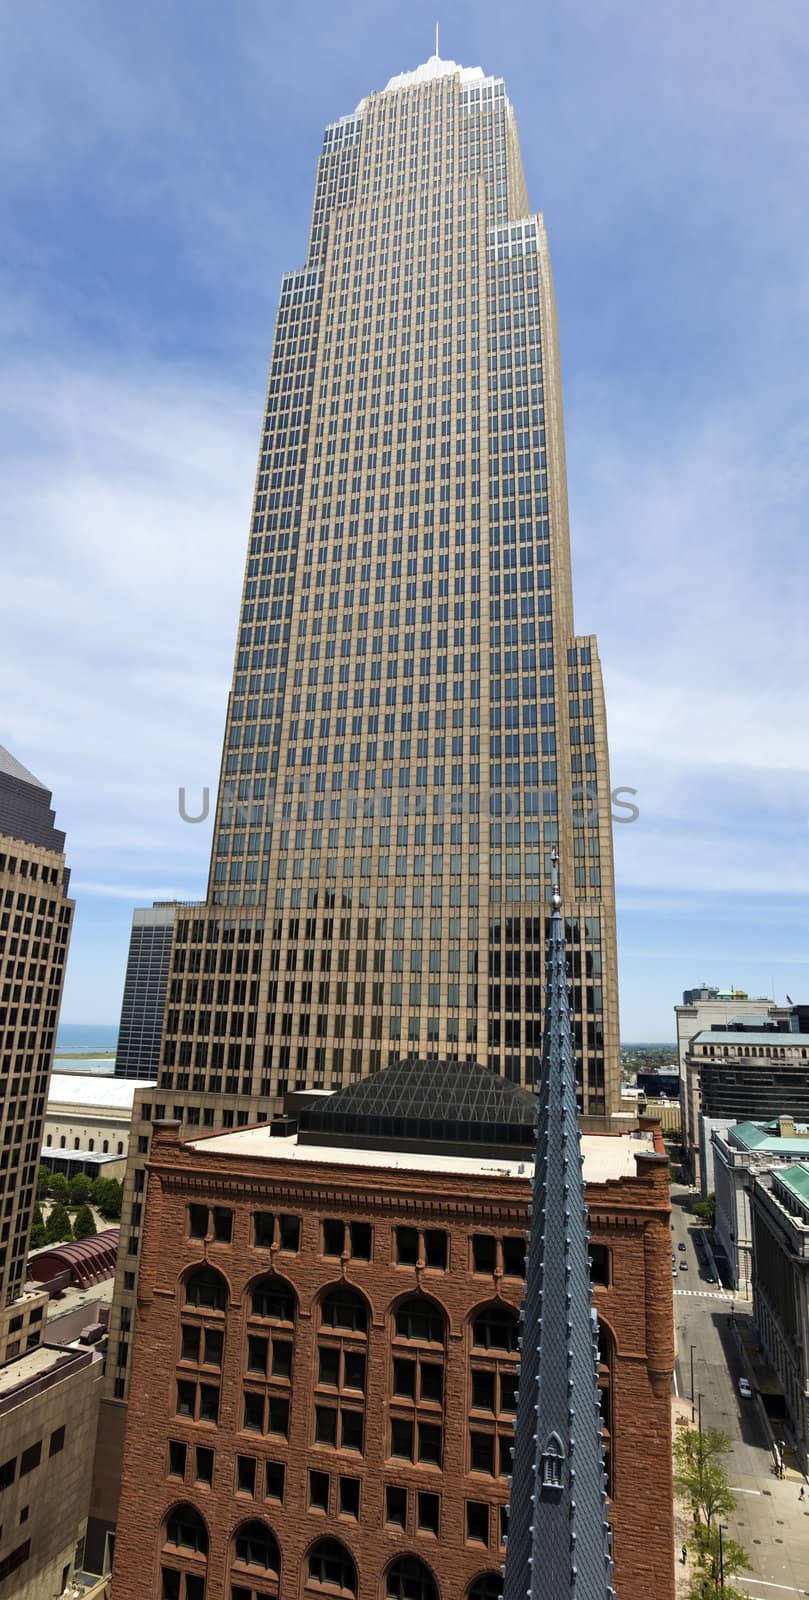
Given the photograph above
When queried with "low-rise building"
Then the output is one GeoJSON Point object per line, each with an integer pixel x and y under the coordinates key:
{"type": "Point", "coordinates": [48, 1415]}
{"type": "Point", "coordinates": [740, 1152]}
{"type": "Point", "coordinates": [779, 1203]}
{"type": "Point", "coordinates": [87, 1124]}
{"type": "Point", "coordinates": [325, 1350]}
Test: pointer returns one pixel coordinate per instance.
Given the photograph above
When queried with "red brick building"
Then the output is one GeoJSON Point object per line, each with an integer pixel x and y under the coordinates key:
{"type": "Point", "coordinates": [325, 1356]}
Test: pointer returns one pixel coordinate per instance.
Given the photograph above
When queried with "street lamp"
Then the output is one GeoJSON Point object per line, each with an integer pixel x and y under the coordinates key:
{"type": "Point", "coordinates": [723, 1528]}
{"type": "Point", "coordinates": [693, 1348]}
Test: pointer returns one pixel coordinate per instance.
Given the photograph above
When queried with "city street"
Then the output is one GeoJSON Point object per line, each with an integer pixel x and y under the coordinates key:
{"type": "Point", "coordinates": [769, 1519]}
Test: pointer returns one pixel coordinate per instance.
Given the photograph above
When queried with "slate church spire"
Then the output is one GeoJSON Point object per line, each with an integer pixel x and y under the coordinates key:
{"type": "Point", "coordinates": [558, 1536]}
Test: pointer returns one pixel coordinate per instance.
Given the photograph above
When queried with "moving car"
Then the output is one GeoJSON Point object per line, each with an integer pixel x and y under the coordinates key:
{"type": "Point", "coordinates": [683, 1266]}
{"type": "Point", "coordinates": [681, 1247]}
{"type": "Point", "coordinates": [744, 1389]}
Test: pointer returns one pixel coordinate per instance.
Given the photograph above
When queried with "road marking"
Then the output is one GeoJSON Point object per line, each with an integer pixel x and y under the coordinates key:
{"type": "Point", "coordinates": [788, 1588]}
{"type": "Point", "coordinates": [735, 1489]}
{"type": "Point", "coordinates": [707, 1294]}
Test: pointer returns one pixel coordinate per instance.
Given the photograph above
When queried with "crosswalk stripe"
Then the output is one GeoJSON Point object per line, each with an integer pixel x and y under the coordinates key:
{"type": "Point", "coordinates": [704, 1294]}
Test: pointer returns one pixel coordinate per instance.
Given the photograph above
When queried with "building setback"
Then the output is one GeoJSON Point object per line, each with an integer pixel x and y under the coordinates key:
{"type": "Point", "coordinates": [743, 1150]}
{"type": "Point", "coordinates": [137, 1053]}
{"type": "Point", "coordinates": [325, 1350]}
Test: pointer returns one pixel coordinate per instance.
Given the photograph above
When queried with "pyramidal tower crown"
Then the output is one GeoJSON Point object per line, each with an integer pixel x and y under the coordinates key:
{"type": "Point", "coordinates": [558, 1537]}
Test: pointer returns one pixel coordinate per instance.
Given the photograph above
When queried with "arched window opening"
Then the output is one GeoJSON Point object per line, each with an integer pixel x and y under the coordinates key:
{"type": "Point", "coordinates": [257, 1546]}
{"type": "Point", "coordinates": [493, 1390]}
{"type": "Point", "coordinates": [331, 1567]}
{"type": "Point", "coordinates": [273, 1300]}
{"type": "Point", "coordinates": [489, 1586]}
{"type": "Point", "coordinates": [416, 1428]}
{"type": "Point", "coordinates": [409, 1579]}
{"type": "Point", "coordinates": [344, 1309]}
{"type": "Point", "coordinates": [496, 1327]}
{"type": "Point", "coordinates": [606, 1359]}
{"type": "Point", "coordinates": [184, 1555]}
{"type": "Point", "coordinates": [205, 1290]}
{"type": "Point", "coordinates": [186, 1529]}
{"type": "Point", "coordinates": [341, 1371]}
{"type": "Point", "coordinates": [420, 1319]}
{"type": "Point", "coordinates": [553, 1463]}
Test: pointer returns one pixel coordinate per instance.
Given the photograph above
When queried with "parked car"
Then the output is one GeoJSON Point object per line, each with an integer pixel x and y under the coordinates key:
{"type": "Point", "coordinates": [744, 1389]}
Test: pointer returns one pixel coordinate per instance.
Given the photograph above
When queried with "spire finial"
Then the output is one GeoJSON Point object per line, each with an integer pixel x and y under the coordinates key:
{"type": "Point", "coordinates": [556, 898]}
{"type": "Point", "coordinates": [436, 43]}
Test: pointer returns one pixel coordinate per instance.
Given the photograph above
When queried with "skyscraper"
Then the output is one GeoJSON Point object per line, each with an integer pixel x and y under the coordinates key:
{"type": "Point", "coordinates": [137, 1053]}
{"type": "Point", "coordinates": [35, 919]}
{"type": "Point", "coordinates": [413, 723]}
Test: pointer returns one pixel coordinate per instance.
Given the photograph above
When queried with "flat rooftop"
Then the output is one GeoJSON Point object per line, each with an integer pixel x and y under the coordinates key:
{"type": "Point", "coordinates": [35, 1364]}
{"type": "Point", "coordinates": [775, 1041]}
{"type": "Point", "coordinates": [606, 1156]}
{"type": "Point", "coordinates": [83, 1090]}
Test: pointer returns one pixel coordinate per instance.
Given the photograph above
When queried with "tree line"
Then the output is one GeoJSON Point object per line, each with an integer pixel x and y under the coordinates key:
{"type": "Point", "coordinates": [75, 1194]}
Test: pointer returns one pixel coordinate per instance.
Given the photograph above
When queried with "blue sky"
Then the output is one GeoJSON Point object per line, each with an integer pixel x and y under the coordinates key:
{"type": "Point", "coordinates": [158, 173]}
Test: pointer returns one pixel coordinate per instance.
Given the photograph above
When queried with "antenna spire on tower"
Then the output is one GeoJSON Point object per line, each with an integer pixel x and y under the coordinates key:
{"type": "Point", "coordinates": [436, 39]}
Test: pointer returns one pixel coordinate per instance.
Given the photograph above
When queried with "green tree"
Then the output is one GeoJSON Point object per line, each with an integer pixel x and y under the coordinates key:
{"type": "Point", "coordinates": [698, 1473]}
{"type": "Point", "coordinates": [59, 1187]}
{"type": "Point", "coordinates": [58, 1225]}
{"type": "Point", "coordinates": [107, 1196]}
{"type": "Point", "coordinates": [728, 1560]}
{"type": "Point", "coordinates": [84, 1226]}
{"type": "Point", "coordinates": [38, 1233]}
{"type": "Point", "coordinates": [43, 1181]}
{"type": "Point", "coordinates": [80, 1189]}
{"type": "Point", "coordinates": [705, 1210]}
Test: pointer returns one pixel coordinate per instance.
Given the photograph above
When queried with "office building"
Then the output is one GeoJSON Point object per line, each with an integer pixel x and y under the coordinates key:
{"type": "Point", "coordinates": [704, 1009]}
{"type": "Point", "coordinates": [137, 1053]}
{"type": "Point", "coordinates": [743, 1150]}
{"type": "Point", "coordinates": [324, 1368]}
{"type": "Point", "coordinates": [414, 724]}
{"type": "Point", "coordinates": [743, 1075]}
{"type": "Point", "coordinates": [779, 1203]}
{"type": "Point", "coordinates": [48, 1393]}
{"type": "Point", "coordinates": [35, 920]}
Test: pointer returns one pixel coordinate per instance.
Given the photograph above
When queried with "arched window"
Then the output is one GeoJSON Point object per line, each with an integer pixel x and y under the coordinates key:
{"type": "Point", "coordinates": [344, 1309]}
{"type": "Point", "coordinates": [105, 1146]}
{"type": "Point", "coordinates": [268, 1376]}
{"type": "Point", "coordinates": [256, 1563]}
{"type": "Point", "coordinates": [409, 1579]}
{"type": "Point", "coordinates": [493, 1390]}
{"type": "Point", "coordinates": [416, 1432]}
{"type": "Point", "coordinates": [421, 1319]}
{"type": "Point", "coordinates": [184, 1555]}
{"type": "Point", "coordinates": [186, 1529]}
{"type": "Point", "coordinates": [120, 1147]}
{"type": "Point", "coordinates": [606, 1358]}
{"type": "Point", "coordinates": [91, 1144]}
{"type": "Point", "coordinates": [273, 1300]}
{"type": "Point", "coordinates": [206, 1290]}
{"type": "Point", "coordinates": [341, 1371]}
{"type": "Point", "coordinates": [489, 1586]}
{"type": "Point", "coordinates": [331, 1567]}
{"type": "Point", "coordinates": [496, 1327]}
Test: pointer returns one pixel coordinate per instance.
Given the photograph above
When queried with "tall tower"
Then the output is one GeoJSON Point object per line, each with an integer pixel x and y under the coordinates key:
{"type": "Point", "coordinates": [137, 1053]}
{"type": "Point", "coordinates": [413, 723]}
{"type": "Point", "coordinates": [35, 920]}
{"type": "Point", "coordinates": [558, 1537]}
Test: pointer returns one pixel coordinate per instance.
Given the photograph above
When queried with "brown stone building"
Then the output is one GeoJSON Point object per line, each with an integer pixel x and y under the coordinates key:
{"type": "Point", "coordinates": [325, 1358]}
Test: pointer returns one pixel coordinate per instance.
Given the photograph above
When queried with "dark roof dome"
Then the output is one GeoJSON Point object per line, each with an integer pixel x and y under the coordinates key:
{"type": "Point", "coordinates": [439, 1106]}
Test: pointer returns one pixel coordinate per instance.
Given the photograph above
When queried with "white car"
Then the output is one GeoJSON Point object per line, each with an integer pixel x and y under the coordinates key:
{"type": "Point", "coordinates": [744, 1389]}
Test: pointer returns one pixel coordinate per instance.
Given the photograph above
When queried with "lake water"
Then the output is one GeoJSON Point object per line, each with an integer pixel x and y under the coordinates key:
{"type": "Point", "coordinates": [88, 1039]}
